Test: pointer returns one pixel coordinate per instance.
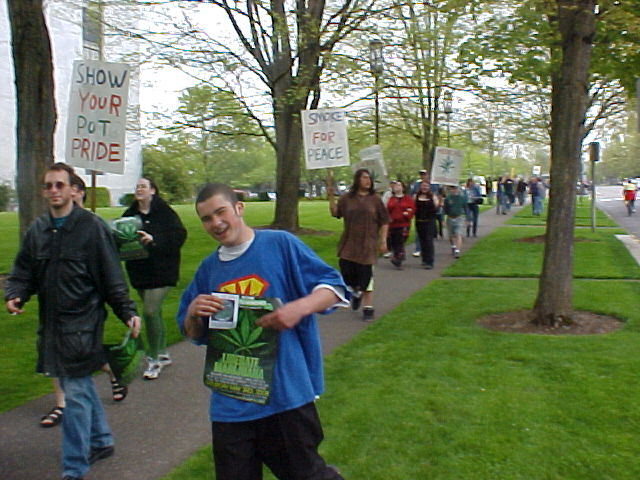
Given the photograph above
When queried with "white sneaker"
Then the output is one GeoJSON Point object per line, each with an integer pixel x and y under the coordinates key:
{"type": "Point", "coordinates": [456, 253]}
{"type": "Point", "coordinates": [164, 359]}
{"type": "Point", "coordinates": [386, 255]}
{"type": "Point", "coordinates": [416, 254]}
{"type": "Point", "coordinates": [153, 370]}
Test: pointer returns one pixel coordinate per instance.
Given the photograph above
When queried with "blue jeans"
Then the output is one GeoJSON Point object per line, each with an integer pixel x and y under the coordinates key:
{"type": "Point", "coordinates": [536, 204]}
{"type": "Point", "coordinates": [473, 210]}
{"type": "Point", "coordinates": [84, 425]}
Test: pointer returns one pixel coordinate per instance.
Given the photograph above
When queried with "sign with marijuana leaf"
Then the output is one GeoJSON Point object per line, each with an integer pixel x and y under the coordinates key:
{"type": "Point", "coordinates": [371, 159]}
{"type": "Point", "coordinates": [125, 232]}
{"type": "Point", "coordinates": [240, 361]}
{"type": "Point", "coordinates": [447, 163]}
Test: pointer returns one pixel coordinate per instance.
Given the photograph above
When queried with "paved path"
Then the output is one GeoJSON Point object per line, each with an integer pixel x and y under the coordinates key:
{"type": "Point", "coordinates": [162, 422]}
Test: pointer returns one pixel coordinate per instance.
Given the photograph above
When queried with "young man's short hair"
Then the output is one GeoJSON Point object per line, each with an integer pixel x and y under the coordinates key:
{"type": "Point", "coordinates": [211, 189]}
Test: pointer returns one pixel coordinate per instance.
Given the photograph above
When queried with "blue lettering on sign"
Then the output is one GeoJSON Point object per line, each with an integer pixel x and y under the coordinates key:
{"type": "Point", "coordinates": [97, 76]}
{"type": "Point", "coordinates": [324, 153]}
{"type": "Point", "coordinates": [320, 117]}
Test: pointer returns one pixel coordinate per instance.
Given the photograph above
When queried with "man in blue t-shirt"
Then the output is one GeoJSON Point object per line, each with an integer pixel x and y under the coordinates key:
{"type": "Point", "coordinates": [284, 433]}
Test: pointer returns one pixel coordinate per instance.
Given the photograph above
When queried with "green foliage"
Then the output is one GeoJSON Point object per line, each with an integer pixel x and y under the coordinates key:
{"type": "Point", "coordinates": [212, 139]}
{"type": "Point", "coordinates": [103, 197]}
{"type": "Point", "coordinates": [165, 164]}
{"type": "Point", "coordinates": [6, 195]}
{"type": "Point", "coordinates": [126, 199]}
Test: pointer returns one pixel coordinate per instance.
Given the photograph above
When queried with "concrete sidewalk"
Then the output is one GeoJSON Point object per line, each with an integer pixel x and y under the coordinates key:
{"type": "Point", "coordinates": [162, 422]}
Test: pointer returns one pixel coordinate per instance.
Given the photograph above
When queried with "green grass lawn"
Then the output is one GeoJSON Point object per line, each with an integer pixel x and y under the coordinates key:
{"type": "Point", "coordinates": [424, 393]}
{"type": "Point", "coordinates": [596, 255]}
{"type": "Point", "coordinates": [583, 217]}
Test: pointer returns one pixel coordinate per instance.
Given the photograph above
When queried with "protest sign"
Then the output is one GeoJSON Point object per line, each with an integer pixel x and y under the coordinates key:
{"type": "Point", "coordinates": [324, 132]}
{"type": "Point", "coordinates": [96, 128]}
{"type": "Point", "coordinates": [447, 163]}
{"type": "Point", "coordinates": [371, 159]}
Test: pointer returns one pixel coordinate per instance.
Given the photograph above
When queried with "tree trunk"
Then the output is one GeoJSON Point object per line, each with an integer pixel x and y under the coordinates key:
{"type": "Point", "coordinates": [288, 144]}
{"type": "Point", "coordinates": [576, 21]}
{"type": "Point", "coordinates": [36, 115]}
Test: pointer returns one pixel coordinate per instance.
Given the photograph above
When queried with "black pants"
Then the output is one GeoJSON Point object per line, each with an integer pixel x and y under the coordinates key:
{"type": "Point", "coordinates": [426, 231]}
{"type": "Point", "coordinates": [472, 218]}
{"type": "Point", "coordinates": [356, 275]}
{"type": "Point", "coordinates": [439, 219]}
{"type": "Point", "coordinates": [287, 443]}
{"type": "Point", "coordinates": [398, 238]}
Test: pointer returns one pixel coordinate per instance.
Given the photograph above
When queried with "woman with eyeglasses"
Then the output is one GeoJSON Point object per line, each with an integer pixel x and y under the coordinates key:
{"type": "Point", "coordinates": [162, 234]}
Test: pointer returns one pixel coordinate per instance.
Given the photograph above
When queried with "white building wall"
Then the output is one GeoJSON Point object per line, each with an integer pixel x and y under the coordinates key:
{"type": "Point", "coordinates": [64, 20]}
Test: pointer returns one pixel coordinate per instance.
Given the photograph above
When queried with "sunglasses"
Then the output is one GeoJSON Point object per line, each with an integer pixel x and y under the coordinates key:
{"type": "Point", "coordinates": [52, 185]}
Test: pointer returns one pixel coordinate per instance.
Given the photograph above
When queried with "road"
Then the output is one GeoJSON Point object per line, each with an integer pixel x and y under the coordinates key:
{"type": "Point", "coordinates": [609, 200]}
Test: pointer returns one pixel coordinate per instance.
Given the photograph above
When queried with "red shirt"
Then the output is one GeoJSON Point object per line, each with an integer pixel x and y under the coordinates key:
{"type": "Point", "coordinates": [401, 210]}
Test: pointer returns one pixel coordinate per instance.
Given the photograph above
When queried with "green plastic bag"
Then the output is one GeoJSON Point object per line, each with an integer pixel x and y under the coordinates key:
{"type": "Point", "coordinates": [125, 358]}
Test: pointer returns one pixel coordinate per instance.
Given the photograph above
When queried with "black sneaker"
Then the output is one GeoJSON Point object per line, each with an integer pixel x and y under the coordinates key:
{"type": "Point", "coordinates": [356, 298]}
{"type": "Point", "coordinates": [69, 477]}
{"type": "Point", "coordinates": [367, 314]}
{"type": "Point", "coordinates": [428, 266]}
{"type": "Point", "coordinates": [100, 453]}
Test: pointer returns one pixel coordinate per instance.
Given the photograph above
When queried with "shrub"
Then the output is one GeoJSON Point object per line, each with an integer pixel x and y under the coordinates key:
{"type": "Point", "coordinates": [103, 198]}
{"type": "Point", "coordinates": [126, 199]}
{"type": "Point", "coordinates": [6, 193]}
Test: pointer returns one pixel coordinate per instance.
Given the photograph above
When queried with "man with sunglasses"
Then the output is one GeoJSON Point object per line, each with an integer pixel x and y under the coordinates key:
{"type": "Point", "coordinates": [68, 258]}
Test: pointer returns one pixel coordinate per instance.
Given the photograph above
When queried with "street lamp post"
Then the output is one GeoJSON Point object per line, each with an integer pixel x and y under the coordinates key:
{"type": "Point", "coordinates": [448, 110]}
{"type": "Point", "coordinates": [376, 63]}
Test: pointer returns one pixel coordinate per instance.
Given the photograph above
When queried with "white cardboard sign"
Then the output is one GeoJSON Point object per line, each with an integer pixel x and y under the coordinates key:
{"type": "Point", "coordinates": [447, 163]}
{"type": "Point", "coordinates": [324, 132]}
{"type": "Point", "coordinates": [97, 122]}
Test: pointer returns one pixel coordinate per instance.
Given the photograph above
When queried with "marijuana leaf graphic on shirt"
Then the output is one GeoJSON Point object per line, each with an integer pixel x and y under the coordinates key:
{"type": "Point", "coordinates": [244, 337]}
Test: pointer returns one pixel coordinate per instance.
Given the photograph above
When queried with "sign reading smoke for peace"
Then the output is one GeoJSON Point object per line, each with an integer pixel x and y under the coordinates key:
{"type": "Point", "coordinates": [97, 125]}
{"type": "Point", "coordinates": [447, 163]}
{"type": "Point", "coordinates": [324, 132]}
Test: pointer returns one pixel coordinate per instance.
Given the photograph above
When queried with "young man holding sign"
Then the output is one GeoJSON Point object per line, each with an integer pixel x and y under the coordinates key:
{"type": "Point", "coordinates": [276, 424]}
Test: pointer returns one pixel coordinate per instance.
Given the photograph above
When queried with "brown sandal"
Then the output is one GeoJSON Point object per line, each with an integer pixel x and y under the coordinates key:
{"type": "Point", "coordinates": [118, 392]}
{"type": "Point", "coordinates": [53, 418]}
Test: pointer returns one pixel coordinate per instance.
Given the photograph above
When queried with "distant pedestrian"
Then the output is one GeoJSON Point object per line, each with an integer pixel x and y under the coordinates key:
{"type": "Point", "coordinates": [509, 194]}
{"type": "Point", "coordinates": [385, 198]}
{"type": "Point", "coordinates": [366, 224]}
{"type": "Point", "coordinates": [536, 190]}
{"type": "Point", "coordinates": [629, 196]}
{"type": "Point", "coordinates": [474, 199]}
{"type": "Point", "coordinates": [441, 192]}
{"type": "Point", "coordinates": [427, 206]}
{"type": "Point", "coordinates": [491, 190]}
{"type": "Point", "coordinates": [455, 204]}
{"type": "Point", "coordinates": [424, 177]}
{"type": "Point", "coordinates": [500, 196]}
{"type": "Point", "coordinates": [521, 191]}
{"type": "Point", "coordinates": [69, 259]}
{"type": "Point", "coordinates": [401, 209]}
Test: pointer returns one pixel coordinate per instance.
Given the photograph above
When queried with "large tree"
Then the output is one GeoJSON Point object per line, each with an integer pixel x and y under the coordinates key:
{"type": "Point", "coordinates": [280, 48]}
{"type": "Point", "coordinates": [575, 20]}
{"type": "Point", "coordinates": [36, 115]}
{"type": "Point", "coordinates": [425, 38]}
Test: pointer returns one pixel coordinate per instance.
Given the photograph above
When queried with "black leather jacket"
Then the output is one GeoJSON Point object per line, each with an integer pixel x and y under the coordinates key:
{"type": "Point", "coordinates": [74, 270]}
